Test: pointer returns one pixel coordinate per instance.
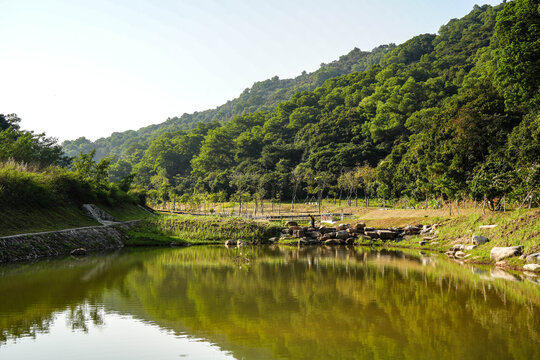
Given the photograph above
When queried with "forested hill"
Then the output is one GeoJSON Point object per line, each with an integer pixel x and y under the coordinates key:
{"type": "Point", "coordinates": [452, 115]}
{"type": "Point", "coordinates": [263, 95]}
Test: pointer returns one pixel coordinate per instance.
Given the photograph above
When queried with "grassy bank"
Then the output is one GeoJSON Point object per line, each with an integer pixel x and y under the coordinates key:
{"type": "Point", "coordinates": [513, 228]}
{"type": "Point", "coordinates": [167, 229]}
{"type": "Point", "coordinates": [34, 199]}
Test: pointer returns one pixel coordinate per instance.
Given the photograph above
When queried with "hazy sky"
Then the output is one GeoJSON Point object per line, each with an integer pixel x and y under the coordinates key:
{"type": "Point", "coordinates": [88, 68]}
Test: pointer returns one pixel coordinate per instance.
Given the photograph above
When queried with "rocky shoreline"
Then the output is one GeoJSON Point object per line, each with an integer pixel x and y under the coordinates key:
{"type": "Point", "coordinates": [356, 234]}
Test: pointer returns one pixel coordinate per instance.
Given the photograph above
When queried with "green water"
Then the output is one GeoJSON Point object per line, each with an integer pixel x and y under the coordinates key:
{"type": "Point", "coordinates": [266, 303]}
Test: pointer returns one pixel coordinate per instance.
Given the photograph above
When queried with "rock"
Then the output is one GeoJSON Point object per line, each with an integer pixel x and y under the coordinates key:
{"type": "Point", "coordinates": [350, 241]}
{"type": "Point", "coordinates": [435, 226]}
{"type": "Point", "coordinates": [298, 233]}
{"type": "Point", "coordinates": [230, 242]}
{"type": "Point", "coordinates": [343, 226]}
{"type": "Point", "coordinates": [479, 240]}
{"type": "Point", "coordinates": [531, 267]}
{"type": "Point", "coordinates": [311, 229]}
{"type": "Point", "coordinates": [434, 243]}
{"type": "Point", "coordinates": [533, 258]}
{"type": "Point", "coordinates": [457, 247]}
{"type": "Point", "coordinates": [428, 238]}
{"type": "Point", "coordinates": [331, 235]}
{"type": "Point", "coordinates": [291, 223]}
{"type": "Point", "coordinates": [459, 254]}
{"type": "Point", "coordinates": [331, 242]}
{"type": "Point", "coordinates": [313, 234]}
{"type": "Point", "coordinates": [240, 243]}
{"type": "Point", "coordinates": [499, 253]}
{"type": "Point", "coordinates": [273, 240]}
{"type": "Point", "coordinates": [372, 234]}
{"type": "Point", "coordinates": [342, 234]}
{"type": "Point", "coordinates": [422, 243]}
{"type": "Point", "coordinates": [351, 231]}
{"type": "Point", "coordinates": [359, 227]}
{"type": "Point", "coordinates": [470, 247]}
{"type": "Point", "coordinates": [78, 252]}
{"type": "Point", "coordinates": [368, 229]}
{"type": "Point", "coordinates": [365, 238]}
{"type": "Point", "coordinates": [286, 231]}
{"type": "Point", "coordinates": [327, 230]}
{"type": "Point", "coordinates": [386, 234]}
{"type": "Point", "coordinates": [450, 253]}
{"type": "Point", "coordinates": [295, 227]}
{"type": "Point", "coordinates": [303, 242]}
{"type": "Point", "coordinates": [411, 230]}
{"type": "Point", "coordinates": [487, 226]}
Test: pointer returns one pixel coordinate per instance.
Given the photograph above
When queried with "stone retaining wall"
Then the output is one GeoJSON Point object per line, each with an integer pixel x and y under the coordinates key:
{"type": "Point", "coordinates": [62, 242]}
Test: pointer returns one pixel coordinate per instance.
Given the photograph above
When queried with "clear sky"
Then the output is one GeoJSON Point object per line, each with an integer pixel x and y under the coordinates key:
{"type": "Point", "coordinates": [76, 68]}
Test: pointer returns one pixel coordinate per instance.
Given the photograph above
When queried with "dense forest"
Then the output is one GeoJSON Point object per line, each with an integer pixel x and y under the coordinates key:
{"type": "Point", "coordinates": [447, 116]}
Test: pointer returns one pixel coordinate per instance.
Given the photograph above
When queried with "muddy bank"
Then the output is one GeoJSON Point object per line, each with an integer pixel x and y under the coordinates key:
{"type": "Point", "coordinates": [63, 242]}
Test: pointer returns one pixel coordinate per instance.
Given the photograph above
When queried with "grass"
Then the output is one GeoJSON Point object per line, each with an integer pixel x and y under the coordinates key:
{"type": "Point", "coordinates": [17, 221]}
{"type": "Point", "coordinates": [520, 227]}
{"type": "Point", "coordinates": [186, 229]}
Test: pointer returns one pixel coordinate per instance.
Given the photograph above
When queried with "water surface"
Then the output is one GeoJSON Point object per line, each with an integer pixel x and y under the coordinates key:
{"type": "Point", "coordinates": [266, 303]}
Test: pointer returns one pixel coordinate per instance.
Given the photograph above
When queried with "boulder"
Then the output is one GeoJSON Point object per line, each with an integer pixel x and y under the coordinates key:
{"type": "Point", "coordinates": [230, 242]}
{"type": "Point", "coordinates": [342, 234]}
{"type": "Point", "coordinates": [298, 233]}
{"type": "Point", "coordinates": [499, 253]}
{"type": "Point", "coordinates": [457, 247]}
{"type": "Point", "coordinates": [295, 227]}
{"type": "Point", "coordinates": [533, 258]}
{"type": "Point", "coordinates": [291, 223]}
{"type": "Point", "coordinates": [286, 231]}
{"type": "Point", "coordinates": [479, 240]}
{"type": "Point", "coordinates": [372, 234]}
{"type": "Point", "coordinates": [351, 231]}
{"type": "Point", "coordinates": [343, 226]}
{"type": "Point", "coordinates": [368, 229]}
{"type": "Point", "coordinates": [313, 234]}
{"type": "Point", "coordinates": [303, 242]}
{"type": "Point", "coordinates": [359, 227]}
{"type": "Point", "coordinates": [411, 230]}
{"type": "Point", "coordinates": [78, 252]}
{"type": "Point", "coordinates": [350, 241]}
{"type": "Point", "coordinates": [387, 234]}
{"type": "Point", "coordinates": [531, 267]}
{"type": "Point", "coordinates": [331, 242]}
{"type": "Point", "coordinates": [327, 230]}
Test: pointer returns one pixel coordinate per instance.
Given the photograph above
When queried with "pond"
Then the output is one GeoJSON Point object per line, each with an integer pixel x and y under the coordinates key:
{"type": "Point", "coordinates": [209, 302]}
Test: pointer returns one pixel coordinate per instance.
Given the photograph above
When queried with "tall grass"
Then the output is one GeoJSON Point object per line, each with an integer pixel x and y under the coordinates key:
{"type": "Point", "coordinates": [25, 185]}
{"type": "Point", "coordinates": [193, 229]}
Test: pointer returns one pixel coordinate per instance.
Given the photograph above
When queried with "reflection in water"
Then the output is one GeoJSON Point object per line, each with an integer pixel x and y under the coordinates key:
{"type": "Point", "coordinates": [278, 302]}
